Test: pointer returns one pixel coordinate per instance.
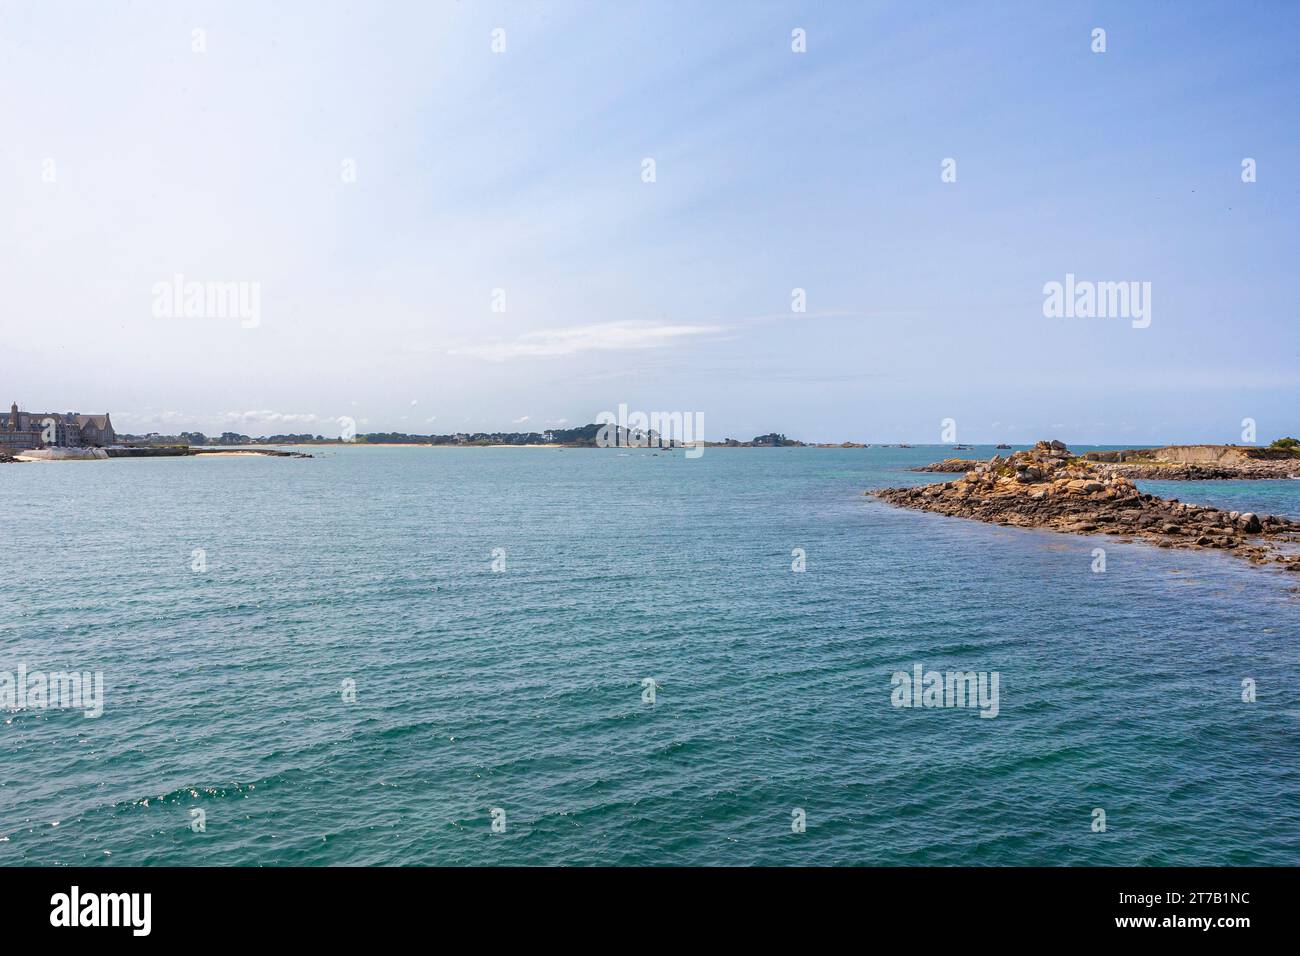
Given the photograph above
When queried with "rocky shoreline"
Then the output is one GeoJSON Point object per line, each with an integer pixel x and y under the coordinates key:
{"type": "Point", "coordinates": [951, 465]}
{"type": "Point", "coordinates": [1243, 470]}
{"type": "Point", "coordinates": [268, 452]}
{"type": "Point", "coordinates": [1047, 487]}
{"type": "Point", "coordinates": [1194, 471]}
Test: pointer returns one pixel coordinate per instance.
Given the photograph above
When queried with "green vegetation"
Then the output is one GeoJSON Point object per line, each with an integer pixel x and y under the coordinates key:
{"type": "Point", "coordinates": [1288, 444]}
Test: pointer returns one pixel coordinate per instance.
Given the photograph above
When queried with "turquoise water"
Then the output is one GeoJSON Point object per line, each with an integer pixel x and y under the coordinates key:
{"type": "Point", "coordinates": [522, 689]}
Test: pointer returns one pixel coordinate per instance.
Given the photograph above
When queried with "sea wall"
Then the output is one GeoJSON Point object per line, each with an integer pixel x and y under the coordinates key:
{"type": "Point", "coordinates": [63, 454]}
{"type": "Point", "coordinates": [152, 451]}
{"type": "Point", "coordinates": [155, 451]}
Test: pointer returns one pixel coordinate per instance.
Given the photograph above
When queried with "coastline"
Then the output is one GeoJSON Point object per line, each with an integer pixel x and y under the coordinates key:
{"type": "Point", "coordinates": [1048, 488]}
{"type": "Point", "coordinates": [106, 454]}
{"type": "Point", "coordinates": [1172, 463]}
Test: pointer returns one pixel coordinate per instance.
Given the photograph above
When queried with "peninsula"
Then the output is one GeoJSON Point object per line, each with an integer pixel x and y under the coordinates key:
{"type": "Point", "coordinates": [1047, 487]}
{"type": "Point", "coordinates": [1180, 462]}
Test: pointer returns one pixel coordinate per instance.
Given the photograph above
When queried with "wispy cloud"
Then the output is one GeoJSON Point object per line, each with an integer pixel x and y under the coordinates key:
{"type": "Point", "coordinates": [268, 417]}
{"type": "Point", "coordinates": [171, 418]}
{"type": "Point", "coordinates": [149, 417]}
{"type": "Point", "coordinates": [600, 337]}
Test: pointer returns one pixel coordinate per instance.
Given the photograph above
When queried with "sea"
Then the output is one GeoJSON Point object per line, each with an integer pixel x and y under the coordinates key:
{"type": "Point", "coordinates": [537, 656]}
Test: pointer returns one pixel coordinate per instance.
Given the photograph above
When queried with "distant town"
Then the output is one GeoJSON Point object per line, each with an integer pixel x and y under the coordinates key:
{"type": "Point", "coordinates": [581, 437]}
{"type": "Point", "coordinates": [28, 430]}
{"type": "Point", "coordinates": [22, 431]}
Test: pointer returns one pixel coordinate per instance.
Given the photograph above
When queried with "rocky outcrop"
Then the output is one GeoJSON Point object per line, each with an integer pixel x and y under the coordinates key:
{"type": "Point", "coordinates": [268, 452]}
{"type": "Point", "coordinates": [1239, 470]}
{"type": "Point", "coordinates": [1199, 462]}
{"type": "Point", "coordinates": [950, 465]}
{"type": "Point", "coordinates": [1047, 487]}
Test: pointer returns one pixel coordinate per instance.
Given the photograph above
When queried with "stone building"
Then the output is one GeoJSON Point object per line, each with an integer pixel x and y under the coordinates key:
{"type": "Point", "coordinates": [20, 430]}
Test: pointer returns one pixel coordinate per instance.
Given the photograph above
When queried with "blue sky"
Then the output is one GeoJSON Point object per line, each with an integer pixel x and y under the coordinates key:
{"type": "Point", "coordinates": [522, 171]}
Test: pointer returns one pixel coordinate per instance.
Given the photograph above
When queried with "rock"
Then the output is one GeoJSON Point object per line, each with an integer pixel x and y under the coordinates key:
{"type": "Point", "coordinates": [1084, 486]}
{"type": "Point", "coordinates": [1047, 488]}
{"type": "Point", "coordinates": [1236, 468]}
{"type": "Point", "coordinates": [951, 465]}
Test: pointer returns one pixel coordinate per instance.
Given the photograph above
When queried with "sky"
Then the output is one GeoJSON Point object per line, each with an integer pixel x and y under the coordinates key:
{"type": "Point", "coordinates": [440, 236]}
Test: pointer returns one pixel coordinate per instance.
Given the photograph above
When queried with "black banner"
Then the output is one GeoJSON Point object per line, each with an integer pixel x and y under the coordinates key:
{"type": "Point", "coordinates": [335, 905]}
